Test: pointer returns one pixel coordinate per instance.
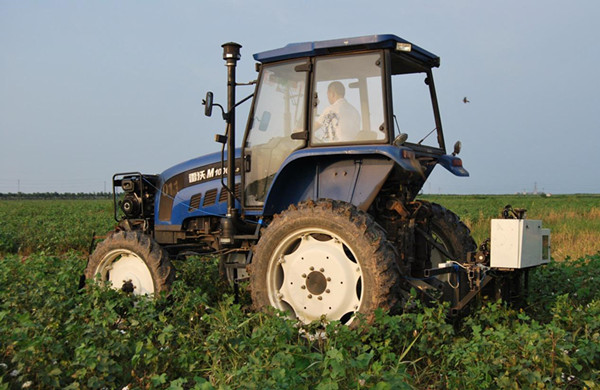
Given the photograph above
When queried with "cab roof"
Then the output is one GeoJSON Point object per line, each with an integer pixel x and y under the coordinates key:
{"type": "Point", "coordinates": [367, 42]}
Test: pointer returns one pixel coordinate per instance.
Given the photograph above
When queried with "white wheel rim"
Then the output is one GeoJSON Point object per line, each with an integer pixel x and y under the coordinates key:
{"type": "Point", "coordinates": [122, 266]}
{"type": "Point", "coordinates": [314, 274]}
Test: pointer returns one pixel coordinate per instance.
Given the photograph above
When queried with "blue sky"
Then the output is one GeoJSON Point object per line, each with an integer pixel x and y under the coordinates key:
{"type": "Point", "coordinates": [91, 88]}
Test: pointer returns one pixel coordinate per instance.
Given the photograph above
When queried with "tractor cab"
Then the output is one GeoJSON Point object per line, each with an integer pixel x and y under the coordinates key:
{"type": "Point", "coordinates": [370, 97]}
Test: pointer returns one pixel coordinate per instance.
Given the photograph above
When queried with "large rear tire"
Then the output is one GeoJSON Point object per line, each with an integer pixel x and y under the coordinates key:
{"type": "Point", "coordinates": [454, 239]}
{"type": "Point", "coordinates": [452, 234]}
{"type": "Point", "coordinates": [324, 260]}
{"type": "Point", "coordinates": [133, 262]}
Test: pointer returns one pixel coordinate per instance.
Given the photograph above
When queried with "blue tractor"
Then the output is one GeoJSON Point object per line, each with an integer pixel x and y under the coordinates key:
{"type": "Point", "coordinates": [318, 208]}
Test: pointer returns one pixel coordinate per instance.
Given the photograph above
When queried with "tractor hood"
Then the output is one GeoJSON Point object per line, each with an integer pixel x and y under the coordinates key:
{"type": "Point", "coordinates": [182, 183]}
{"type": "Point", "coordinates": [198, 169]}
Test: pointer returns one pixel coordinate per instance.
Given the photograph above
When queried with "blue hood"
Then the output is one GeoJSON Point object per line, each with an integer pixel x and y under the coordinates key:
{"type": "Point", "coordinates": [193, 163]}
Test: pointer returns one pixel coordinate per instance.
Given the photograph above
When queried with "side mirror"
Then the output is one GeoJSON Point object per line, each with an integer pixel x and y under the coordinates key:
{"type": "Point", "coordinates": [457, 147]}
{"type": "Point", "coordinates": [263, 122]}
{"type": "Point", "coordinates": [208, 104]}
{"type": "Point", "coordinates": [400, 139]}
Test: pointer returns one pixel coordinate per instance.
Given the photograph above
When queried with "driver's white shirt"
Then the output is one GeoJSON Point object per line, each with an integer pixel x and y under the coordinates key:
{"type": "Point", "coordinates": [340, 122]}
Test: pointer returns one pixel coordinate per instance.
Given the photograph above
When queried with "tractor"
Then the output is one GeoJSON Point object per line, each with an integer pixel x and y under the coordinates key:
{"type": "Point", "coordinates": [318, 209]}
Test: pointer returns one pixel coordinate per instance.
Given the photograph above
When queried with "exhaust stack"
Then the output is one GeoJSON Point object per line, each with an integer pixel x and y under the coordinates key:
{"type": "Point", "coordinates": [231, 55]}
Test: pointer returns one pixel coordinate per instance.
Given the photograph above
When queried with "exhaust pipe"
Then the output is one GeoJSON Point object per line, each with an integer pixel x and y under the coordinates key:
{"type": "Point", "coordinates": [231, 55]}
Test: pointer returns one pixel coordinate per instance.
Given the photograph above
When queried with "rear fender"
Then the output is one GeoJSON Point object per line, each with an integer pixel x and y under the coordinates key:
{"type": "Point", "coordinates": [353, 176]}
{"type": "Point", "coordinates": [453, 164]}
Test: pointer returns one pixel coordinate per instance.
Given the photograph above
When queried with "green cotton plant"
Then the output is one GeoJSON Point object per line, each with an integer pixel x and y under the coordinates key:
{"type": "Point", "coordinates": [55, 336]}
{"type": "Point", "coordinates": [353, 358]}
{"type": "Point", "coordinates": [500, 347]}
{"type": "Point", "coordinates": [248, 347]}
{"type": "Point", "coordinates": [578, 277]}
{"type": "Point", "coordinates": [54, 226]}
{"type": "Point", "coordinates": [8, 238]}
{"type": "Point", "coordinates": [581, 344]}
{"type": "Point", "coordinates": [200, 337]}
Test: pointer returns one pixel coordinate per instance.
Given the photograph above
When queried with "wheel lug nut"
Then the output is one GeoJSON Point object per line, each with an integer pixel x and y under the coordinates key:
{"type": "Point", "coordinates": [322, 270]}
{"type": "Point", "coordinates": [303, 287]}
{"type": "Point", "coordinates": [328, 291]}
{"type": "Point", "coordinates": [312, 268]}
{"type": "Point", "coordinates": [303, 275]}
{"type": "Point", "coordinates": [320, 298]}
{"type": "Point", "coordinates": [329, 279]}
{"type": "Point", "coordinates": [309, 296]}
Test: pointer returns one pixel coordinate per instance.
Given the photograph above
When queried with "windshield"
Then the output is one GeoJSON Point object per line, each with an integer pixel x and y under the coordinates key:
{"type": "Point", "coordinates": [413, 104]}
{"type": "Point", "coordinates": [413, 113]}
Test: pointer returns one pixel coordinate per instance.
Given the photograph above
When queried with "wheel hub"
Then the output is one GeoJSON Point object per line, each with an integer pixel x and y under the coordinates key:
{"type": "Point", "coordinates": [316, 283]}
{"type": "Point", "coordinates": [126, 271]}
{"type": "Point", "coordinates": [320, 277]}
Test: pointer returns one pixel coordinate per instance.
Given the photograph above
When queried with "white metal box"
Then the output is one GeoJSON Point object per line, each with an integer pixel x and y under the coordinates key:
{"type": "Point", "coordinates": [519, 243]}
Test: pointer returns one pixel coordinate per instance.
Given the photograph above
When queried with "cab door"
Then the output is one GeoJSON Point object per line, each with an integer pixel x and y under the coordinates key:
{"type": "Point", "coordinates": [279, 110]}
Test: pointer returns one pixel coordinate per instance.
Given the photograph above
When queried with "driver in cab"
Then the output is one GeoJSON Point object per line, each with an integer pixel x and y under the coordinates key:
{"type": "Point", "coordinates": [340, 121]}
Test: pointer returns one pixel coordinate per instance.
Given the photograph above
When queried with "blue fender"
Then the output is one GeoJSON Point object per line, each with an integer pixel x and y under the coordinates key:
{"type": "Point", "coordinates": [453, 164]}
{"type": "Point", "coordinates": [352, 175]}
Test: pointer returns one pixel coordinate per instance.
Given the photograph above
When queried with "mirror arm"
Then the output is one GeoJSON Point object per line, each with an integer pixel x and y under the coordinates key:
{"type": "Point", "coordinates": [243, 100]}
{"type": "Point", "coordinates": [248, 83]}
{"type": "Point", "coordinates": [226, 114]}
{"type": "Point", "coordinates": [222, 110]}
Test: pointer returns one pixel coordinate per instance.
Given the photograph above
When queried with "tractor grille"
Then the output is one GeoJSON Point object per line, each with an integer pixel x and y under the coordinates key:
{"type": "Point", "coordinates": [210, 198]}
{"type": "Point", "coordinates": [223, 195]}
{"type": "Point", "coordinates": [195, 202]}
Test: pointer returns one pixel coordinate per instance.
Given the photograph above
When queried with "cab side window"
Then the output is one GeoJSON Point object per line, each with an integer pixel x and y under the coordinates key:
{"type": "Point", "coordinates": [348, 100]}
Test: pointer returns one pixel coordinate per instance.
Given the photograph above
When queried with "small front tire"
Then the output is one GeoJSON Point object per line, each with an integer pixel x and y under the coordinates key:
{"type": "Point", "coordinates": [132, 262]}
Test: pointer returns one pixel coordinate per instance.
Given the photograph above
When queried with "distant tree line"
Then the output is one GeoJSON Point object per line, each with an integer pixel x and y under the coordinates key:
{"type": "Point", "coordinates": [55, 195]}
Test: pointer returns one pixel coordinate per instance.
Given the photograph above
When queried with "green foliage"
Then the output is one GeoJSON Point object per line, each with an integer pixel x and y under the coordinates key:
{"type": "Point", "coordinates": [52, 226]}
{"type": "Point", "coordinates": [573, 219]}
{"type": "Point", "coordinates": [577, 279]}
{"type": "Point", "coordinates": [57, 225]}
{"type": "Point", "coordinates": [54, 336]}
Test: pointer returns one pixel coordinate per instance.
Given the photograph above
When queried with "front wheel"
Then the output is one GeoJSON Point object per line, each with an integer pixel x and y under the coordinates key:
{"type": "Point", "coordinates": [324, 260]}
{"type": "Point", "coordinates": [133, 262]}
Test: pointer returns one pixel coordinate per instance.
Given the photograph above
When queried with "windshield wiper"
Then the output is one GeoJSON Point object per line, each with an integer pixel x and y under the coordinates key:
{"type": "Point", "coordinates": [428, 134]}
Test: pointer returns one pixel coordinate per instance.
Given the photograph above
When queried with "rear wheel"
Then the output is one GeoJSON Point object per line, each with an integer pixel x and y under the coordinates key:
{"type": "Point", "coordinates": [451, 234]}
{"type": "Point", "coordinates": [442, 237]}
{"type": "Point", "coordinates": [324, 260]}
{"type": "Point", "coordinates": [133, 262]}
